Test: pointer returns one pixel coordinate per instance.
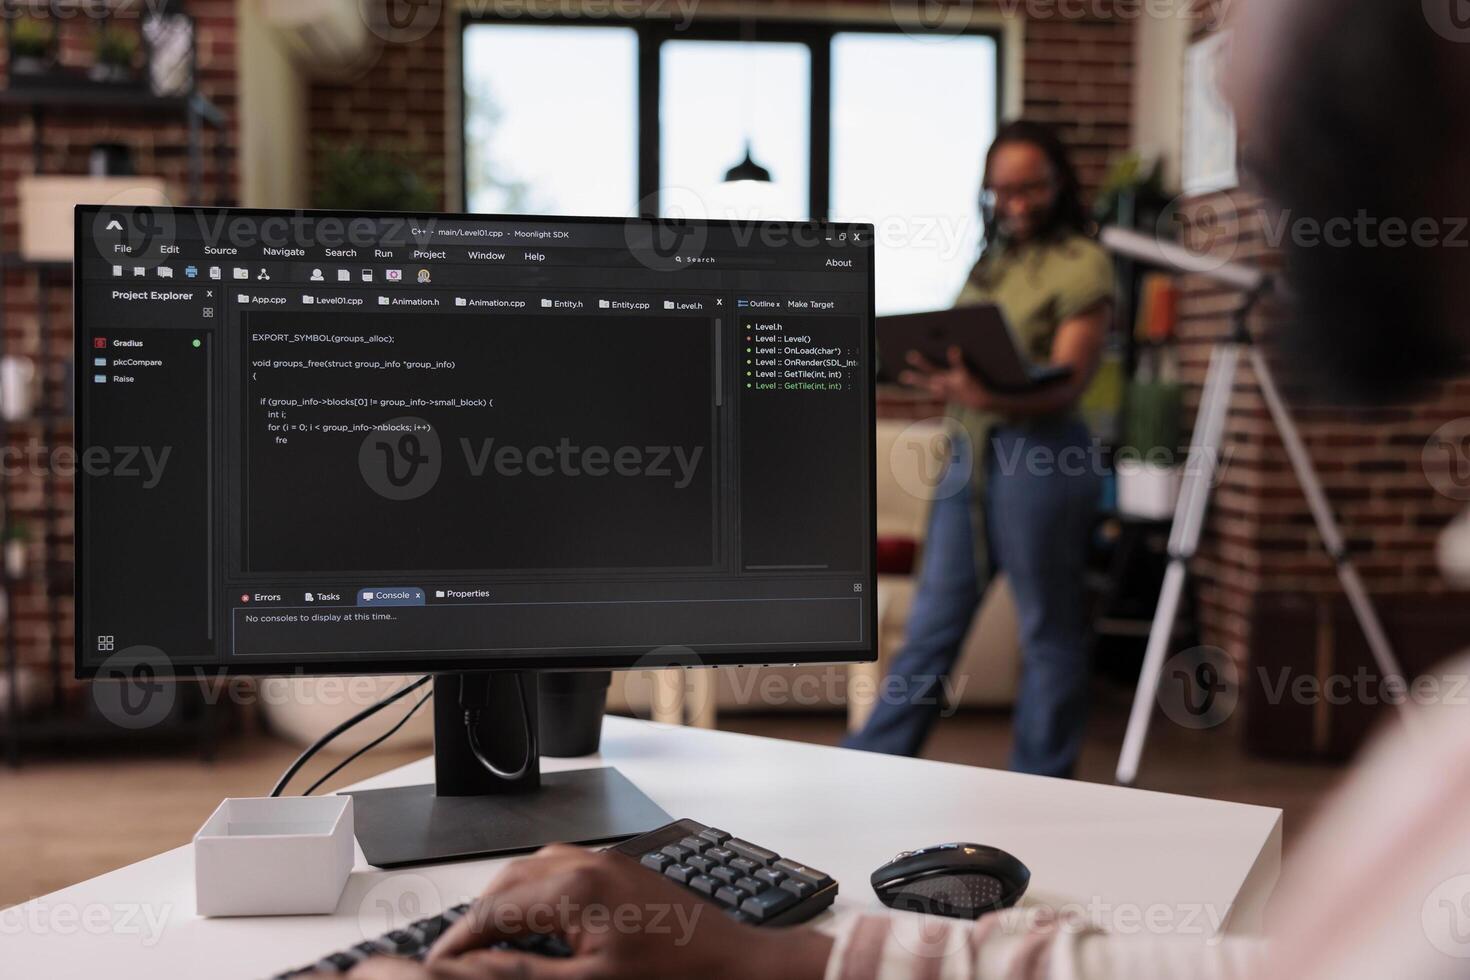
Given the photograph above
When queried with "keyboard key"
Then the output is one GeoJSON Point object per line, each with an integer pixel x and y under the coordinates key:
{"type": "Point", "coordinates": [678, 853]}
{"type": "Point", "coordinates": [730, 895]}
{"type": "Point", "coordinates": [400, 942]}
{"type": "Point", "coordinates": [724, 875]}
{"type": "Point", "coordinates": [342, 962]}
{"type": "Point", "coordinates": [720, 854]}
{"type": "Point", "coordinates": [744, 865]}
{"type": "Point", "coordinates": [751, 885]}
{"type": "Point", "coordinates": [770, 876]}
{"type": "Point", "coordinates": [701, 864]}
{"type": "Point", "coordinates": [366, 949]}
{"type": "Point", "coordinates": [815, 878]}
{"type": "Point", "coordinates": [770, 902]}
{"type": "Point", "coordinates": [704, 884]}
{"type": "Point", "coordinates": [695, 844]}
{"type": "Point", "coordinates": [715, 837]}
{"type": "Point", "coordinates": [431, 929]}
{"type": "Point", "coordinates": [748, 850]}
{"type": "Point", "coordinates": [679, 873]}
{"type": "Point", "coordinates": [656, 861]}
{"type": "Point", "coordinates": [797, 887]}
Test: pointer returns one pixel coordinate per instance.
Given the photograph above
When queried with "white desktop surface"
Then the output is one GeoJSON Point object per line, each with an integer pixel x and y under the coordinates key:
{"type": "Point", "coordinates": [1128, 857]}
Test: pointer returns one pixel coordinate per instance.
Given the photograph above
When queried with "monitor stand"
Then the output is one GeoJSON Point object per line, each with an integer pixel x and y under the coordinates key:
{"type": "Point", "coordinates": [470, 812]}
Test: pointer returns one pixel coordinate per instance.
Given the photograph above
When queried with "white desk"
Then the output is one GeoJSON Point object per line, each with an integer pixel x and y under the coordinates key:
{"type": "Point", "coordinates": [1125, 856]}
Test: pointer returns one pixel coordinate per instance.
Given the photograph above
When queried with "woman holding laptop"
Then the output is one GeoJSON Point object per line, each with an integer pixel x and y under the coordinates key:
{"type": "Point", "coordinates": [1028, 504]}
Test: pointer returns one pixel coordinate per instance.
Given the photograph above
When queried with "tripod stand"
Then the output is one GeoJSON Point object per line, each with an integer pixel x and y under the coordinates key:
{"type": "Point", "coordinates": [1189, 517]}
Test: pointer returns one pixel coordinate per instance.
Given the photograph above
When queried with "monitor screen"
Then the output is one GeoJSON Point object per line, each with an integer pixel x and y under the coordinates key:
{"type": "Point", "coordinates": [322, 442]}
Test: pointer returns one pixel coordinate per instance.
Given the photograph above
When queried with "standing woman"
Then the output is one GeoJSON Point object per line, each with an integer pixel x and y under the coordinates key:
{"type": "Point", "coordinates": [1028, 506]}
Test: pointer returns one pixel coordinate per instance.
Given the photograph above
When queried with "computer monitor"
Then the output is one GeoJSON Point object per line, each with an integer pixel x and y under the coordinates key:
{"type": "Point", "coordinates": [321, 442]}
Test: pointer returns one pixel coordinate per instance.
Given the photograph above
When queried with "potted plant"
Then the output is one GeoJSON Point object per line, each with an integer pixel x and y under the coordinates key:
{"type": "Point", "coordinates": [32, 46]}
{"type": "Point", "coordinates": [115, 51]}
{"type": "Point", "coordinates": [17, 538]}
{"type": "Point", "coordinates": [1147, 461]}
{"type": "Point", "coordinates": [354, 177]}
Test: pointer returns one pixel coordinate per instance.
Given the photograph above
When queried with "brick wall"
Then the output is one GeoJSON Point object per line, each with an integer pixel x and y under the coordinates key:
{"type": "Point", "coordinates": [160, 148]}
{"type": "Point", "coordinates": [1261, 543]}
{"type": "Point", "coordinates": [1078, 75]}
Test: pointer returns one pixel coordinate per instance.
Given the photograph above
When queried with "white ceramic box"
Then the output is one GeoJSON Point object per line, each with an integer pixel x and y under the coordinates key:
{"type": "Point", "coordinates": [285, 855]}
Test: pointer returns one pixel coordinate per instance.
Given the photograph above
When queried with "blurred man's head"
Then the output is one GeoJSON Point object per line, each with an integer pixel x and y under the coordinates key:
{"type": "Point", "coordinates": [1357, 110]}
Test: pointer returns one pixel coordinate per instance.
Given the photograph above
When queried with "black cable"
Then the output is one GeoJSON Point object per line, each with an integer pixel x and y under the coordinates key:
{"type": "Point", "coordinates": [472, 720]}
{"type": "Point", "coordinates": [371, 745]}
{"type": "Point", "coordinates": [365, 713]}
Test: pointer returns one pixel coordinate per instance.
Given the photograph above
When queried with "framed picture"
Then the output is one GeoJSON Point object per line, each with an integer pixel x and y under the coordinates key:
{"type": "Point", "coordinates": [1211, 147]}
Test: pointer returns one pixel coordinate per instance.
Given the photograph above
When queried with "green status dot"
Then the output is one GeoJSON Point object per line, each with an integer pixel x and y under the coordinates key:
{"type": "Point", "coordinates": [196, 342]}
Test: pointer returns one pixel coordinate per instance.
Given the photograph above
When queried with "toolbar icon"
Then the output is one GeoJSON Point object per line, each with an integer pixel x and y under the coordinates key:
{"type": "Point", "coordinates": [214, 272]}
{"type": "Point", "coordinates": [240, 273]}
{"type": "Point", "coordinates": [343, 275]}
{"type": "Point", "coordinates": [393, 275]}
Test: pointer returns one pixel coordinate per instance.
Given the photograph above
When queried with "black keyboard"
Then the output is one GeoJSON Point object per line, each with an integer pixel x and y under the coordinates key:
{"type": "Point", "coordinates": [751, 883]}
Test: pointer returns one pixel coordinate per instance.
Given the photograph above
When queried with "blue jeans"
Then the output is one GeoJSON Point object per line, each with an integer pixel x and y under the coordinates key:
{"type": "Point", "coordinates": [1041, 496]}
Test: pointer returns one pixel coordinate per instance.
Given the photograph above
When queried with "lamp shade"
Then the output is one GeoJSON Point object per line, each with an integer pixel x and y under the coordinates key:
{"type": "Point", "coordinates": [747, 169]}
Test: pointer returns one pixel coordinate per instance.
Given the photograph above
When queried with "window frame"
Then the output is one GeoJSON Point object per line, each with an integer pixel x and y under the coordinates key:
{"type": "Point", "coordinates": [652, 33]}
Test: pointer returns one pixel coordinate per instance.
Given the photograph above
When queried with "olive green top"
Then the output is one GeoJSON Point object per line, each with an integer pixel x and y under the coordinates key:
{"type": "Point", "coordinates": [1039, 286]}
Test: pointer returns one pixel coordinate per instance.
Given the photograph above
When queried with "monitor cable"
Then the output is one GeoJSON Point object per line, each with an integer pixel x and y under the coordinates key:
{"type": "Point", "coordinates": [362, 715]}
{"type": "Point", "coordinates": [371, 745]}
{"type": "Point", "coordinates": [473, 703]}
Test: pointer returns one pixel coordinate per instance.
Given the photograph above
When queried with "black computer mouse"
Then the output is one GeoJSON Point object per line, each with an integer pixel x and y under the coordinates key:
{"type": "Point", "coordinates": [963, 881]}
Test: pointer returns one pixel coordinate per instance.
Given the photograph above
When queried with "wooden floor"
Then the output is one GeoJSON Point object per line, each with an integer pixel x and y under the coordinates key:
{"type": "Point", "coordinates": [63, 820]}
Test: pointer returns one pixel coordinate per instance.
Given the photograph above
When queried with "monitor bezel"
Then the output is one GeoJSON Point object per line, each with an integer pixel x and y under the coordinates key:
{"type": "Point", "coordinates": [563, 660]}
